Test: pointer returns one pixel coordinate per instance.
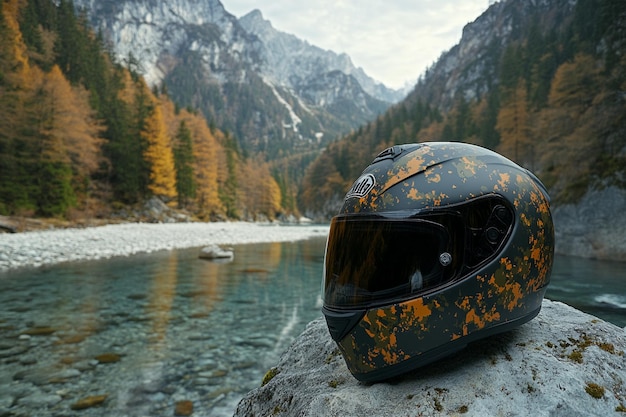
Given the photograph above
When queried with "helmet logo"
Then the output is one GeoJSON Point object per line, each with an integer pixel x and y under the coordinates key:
{"type": "Point", "coordinates": [362, 186]}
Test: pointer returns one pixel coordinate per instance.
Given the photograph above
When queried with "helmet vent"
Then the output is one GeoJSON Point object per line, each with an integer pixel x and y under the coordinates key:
{"type": "Point", "coordinates": [390, 153]}
{"type": "Point", "coordinates": [490, 226]}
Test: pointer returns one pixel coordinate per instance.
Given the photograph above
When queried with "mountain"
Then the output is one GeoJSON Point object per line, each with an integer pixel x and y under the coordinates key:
{"type": "Point", "coordinates": [290, 61]}
{"type": "Point", "coordinates": [276, 93]}
{"type": "Point", "coordinates": [541, 82]}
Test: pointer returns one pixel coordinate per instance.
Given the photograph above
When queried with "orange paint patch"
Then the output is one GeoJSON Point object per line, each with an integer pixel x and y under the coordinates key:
{"type": "Point", "coordinates": [411, 168]}
{"type": "Point", "coordinates": [504, 180]}
{"type": "Point", "coordinates": [416, 308]}
{"type": "Point", "coordinates": [413, 195]}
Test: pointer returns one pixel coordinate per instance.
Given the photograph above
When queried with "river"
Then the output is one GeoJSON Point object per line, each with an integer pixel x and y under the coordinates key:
{"type": "Point", "coordinates": [142, 333]}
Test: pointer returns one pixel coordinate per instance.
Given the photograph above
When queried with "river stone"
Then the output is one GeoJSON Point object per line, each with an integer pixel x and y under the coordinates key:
{"type": "Point", "coordinates": [108, 358]}
{"type": "Point", "coordinates": [562, 363]}
{"type": "Point", "coordinates": [88, 402]}
{"type": "Point", "coordinates": [39, 399]}
{"type": "Point", "coordinates": [183, 408]}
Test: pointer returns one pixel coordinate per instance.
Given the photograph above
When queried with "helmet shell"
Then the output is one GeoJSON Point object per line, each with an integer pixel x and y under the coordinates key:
{"type": "Point", "coordinates": [382, 341]}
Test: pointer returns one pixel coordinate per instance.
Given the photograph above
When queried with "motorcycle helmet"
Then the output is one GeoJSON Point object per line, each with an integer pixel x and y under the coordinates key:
{"type": "Point", "coordinates": [436, 245]}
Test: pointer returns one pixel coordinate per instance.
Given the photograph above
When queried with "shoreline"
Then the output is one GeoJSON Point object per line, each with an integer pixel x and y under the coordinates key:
{"type": "Point", "coordinates": [49, 247]}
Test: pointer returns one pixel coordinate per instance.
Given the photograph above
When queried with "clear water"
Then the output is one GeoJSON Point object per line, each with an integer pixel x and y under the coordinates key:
{"type": "Point", "coordinates": [184, 328]}
{"type": "Point", "coordinates": [595, 287]}
{"type": "Point", "coordinates": [181, 328]}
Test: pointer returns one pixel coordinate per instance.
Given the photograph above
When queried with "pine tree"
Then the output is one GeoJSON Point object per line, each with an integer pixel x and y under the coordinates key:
{"type": "Point", "coordinates": [228, 183]}
{"type": "Point", "coordinates": [127, 112]}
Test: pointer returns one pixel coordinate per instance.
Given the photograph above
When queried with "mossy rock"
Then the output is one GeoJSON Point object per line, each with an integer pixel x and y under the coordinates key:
{"type": "Point", "coordinates": [269, 375]}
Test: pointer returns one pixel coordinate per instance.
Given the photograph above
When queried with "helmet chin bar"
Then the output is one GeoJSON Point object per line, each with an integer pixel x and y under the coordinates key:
{"type": "Point", "coordinates": [441, 351]}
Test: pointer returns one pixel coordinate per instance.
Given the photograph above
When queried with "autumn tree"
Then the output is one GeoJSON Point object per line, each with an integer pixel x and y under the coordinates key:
{"type": "Point", "coordinates": [69, 149]}
{"type": "Point", "coordinates": [260, 193]}
{"type": "Point", "coordinates": [75, 122]}
{"type": "Point", "coordinates": [207, 154]}
{"type": "Point", "coordinates": [571, 144]}
{"type": "Point", "coordinates": [158, 154]}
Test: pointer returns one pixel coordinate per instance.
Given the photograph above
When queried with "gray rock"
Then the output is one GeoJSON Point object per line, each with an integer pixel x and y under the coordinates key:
{"type": "Point", "coordinates": [595, 227]}
{"type": "Point", "coordinates": [555, 365]}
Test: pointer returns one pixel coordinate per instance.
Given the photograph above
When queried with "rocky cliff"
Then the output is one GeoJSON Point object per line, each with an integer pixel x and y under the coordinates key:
{"type": "Point", "coordinates": [470, 69]}
{"type": "Point", "coordinates": [562, 363]}
{"type": "Point", "coordinates": [595, 227]}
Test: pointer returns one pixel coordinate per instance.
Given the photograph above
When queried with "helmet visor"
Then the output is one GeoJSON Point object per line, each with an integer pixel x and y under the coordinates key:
{"type": "Point", "coordinates": [373, 260]}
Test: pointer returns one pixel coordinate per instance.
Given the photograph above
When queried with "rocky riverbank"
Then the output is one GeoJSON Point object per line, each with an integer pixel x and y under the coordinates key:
{"type": "Point", "coordinates": [37, 248]}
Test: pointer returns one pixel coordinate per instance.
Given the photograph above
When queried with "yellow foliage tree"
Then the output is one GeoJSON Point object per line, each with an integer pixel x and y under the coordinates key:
{"type": "Point", "coordinates": [260, 193]}
{"type": "Point", "coordinates": [205, 150]}
{"type": "Point", "coordinates": [158, 154]}
{"type": "Point", "coordinates": [73, 121]}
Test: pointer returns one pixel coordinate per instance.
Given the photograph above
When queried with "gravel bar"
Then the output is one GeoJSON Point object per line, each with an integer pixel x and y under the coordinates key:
{"type": "Point", "coordinates": [37, 248]}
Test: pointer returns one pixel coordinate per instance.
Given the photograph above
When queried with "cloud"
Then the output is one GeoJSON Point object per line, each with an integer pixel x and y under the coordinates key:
{"type": "Point", "coordinates": [394, 41]}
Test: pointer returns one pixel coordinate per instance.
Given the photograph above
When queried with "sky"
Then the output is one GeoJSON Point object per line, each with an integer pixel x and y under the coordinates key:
{"type": "Point", "coordinates": [394, 41]}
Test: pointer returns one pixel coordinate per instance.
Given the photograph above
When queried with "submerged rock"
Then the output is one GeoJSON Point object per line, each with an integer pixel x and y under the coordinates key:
{"type": "Point", "coordinates": [215, 252]}
{"type": "Point", "coordinates": [562, 363]}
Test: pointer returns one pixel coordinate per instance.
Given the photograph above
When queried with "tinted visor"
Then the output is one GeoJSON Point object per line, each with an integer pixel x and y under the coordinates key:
{"type": "Point", "coordinates": [374, 260]}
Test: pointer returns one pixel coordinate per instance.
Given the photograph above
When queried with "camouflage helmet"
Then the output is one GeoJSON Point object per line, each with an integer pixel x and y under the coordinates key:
{"type": "Point", "coordinates": [436, 245]}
